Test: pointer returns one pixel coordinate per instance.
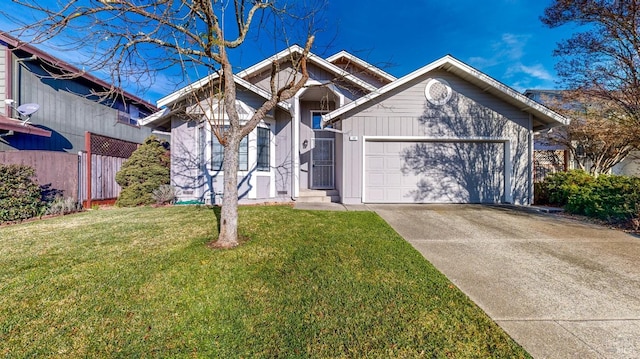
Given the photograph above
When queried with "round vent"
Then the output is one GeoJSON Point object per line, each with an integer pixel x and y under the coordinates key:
{"type": "Point", "coordinates": [438, 91]}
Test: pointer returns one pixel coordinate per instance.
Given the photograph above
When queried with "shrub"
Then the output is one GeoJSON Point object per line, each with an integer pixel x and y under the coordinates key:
{"type": "Point", "coordinates": [145, 171]}
{"type": "Point", "coordinates": [20, 196]}
{"type": "Point", "coordinates": [608, 197]}
{"type": "Point", "coordinates": [562, 185]}
{"type": "Point", "coordinates": [164, 194]}
{"type": "Point", "coordinates": [60, 206]}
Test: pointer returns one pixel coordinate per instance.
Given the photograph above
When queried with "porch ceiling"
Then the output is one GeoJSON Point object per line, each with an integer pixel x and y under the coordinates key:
{"type": "Point", "coordinates": [319, 93]}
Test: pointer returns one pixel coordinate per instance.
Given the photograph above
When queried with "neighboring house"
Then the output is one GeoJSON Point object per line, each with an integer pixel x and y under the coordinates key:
{"type": "Point", "coordinates": [445, 133]}
{"type": "Point", "coordinates": [70, 119]}
{"type": "Point", "coordinates": [556, 157]}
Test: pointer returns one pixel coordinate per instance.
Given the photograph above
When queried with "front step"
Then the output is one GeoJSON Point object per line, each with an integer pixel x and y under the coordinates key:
{"type": "Point", "coordinates": [319, 196]}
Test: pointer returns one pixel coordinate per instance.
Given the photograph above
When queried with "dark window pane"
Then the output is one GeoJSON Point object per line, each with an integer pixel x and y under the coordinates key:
{"type": "Point", "coordinates": [263, 149]}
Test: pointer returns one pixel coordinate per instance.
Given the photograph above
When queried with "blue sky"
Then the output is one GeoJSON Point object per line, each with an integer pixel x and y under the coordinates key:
{"type": "Point", "coordinates": [502, 38]}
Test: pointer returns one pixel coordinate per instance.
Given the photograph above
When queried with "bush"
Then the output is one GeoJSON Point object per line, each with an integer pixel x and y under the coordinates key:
{"type": "Point", "coordinates": [608, 197]}
{"type": "Point", "coordinates": [20, 196]}
{"type": "Point", "coordinates": [562, 185]}
{"type": "Point", "coordinates": [145, 171]}
{"type": "Point", "coordinates": [60, 206]}
{"type": "Point", "coordinates": [164, 194]}
{"type": "Point", "coordinates": [611, 198]}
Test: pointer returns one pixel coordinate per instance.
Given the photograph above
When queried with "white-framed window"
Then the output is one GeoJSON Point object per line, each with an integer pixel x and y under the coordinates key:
{"type": "Point", "coordinates": [217, 154]}
{"type": "Point", "coordinates": [316, 120]}
{"type": "Point", "coordinates": [263, 146]}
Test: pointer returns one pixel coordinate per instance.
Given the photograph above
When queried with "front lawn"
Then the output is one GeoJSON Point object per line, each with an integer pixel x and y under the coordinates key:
{"type": "Point", "coordinates": [142, 283]}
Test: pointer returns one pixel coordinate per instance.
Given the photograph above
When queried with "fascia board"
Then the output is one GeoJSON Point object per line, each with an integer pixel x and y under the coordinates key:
{"type": "Point", "coordinates": [525, 103]}
{"type": "Point", "coordinates": [174, 97]}
{"type": "Point", "coordinates": [313, 58]}
{"type": "Point", "coordinates": [181, 93]}
{"type": "Point", "coordinates": [376, 70]}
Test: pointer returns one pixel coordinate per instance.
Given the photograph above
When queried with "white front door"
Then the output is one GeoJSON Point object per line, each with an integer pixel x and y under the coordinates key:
{"type": "Point", "coordinates": [322, 164]}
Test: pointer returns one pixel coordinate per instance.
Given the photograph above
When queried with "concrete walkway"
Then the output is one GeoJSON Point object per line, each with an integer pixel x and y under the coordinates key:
{"type": "Point", "coordinates": [560, 288]}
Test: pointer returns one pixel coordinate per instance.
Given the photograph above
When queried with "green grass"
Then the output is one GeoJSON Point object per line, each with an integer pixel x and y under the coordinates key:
{"type": "Point", "coordinates": [142, 283]}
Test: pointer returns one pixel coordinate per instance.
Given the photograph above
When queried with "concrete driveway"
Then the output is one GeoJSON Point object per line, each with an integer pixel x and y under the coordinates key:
{"type": "Point", "coordinates": [560, 288]}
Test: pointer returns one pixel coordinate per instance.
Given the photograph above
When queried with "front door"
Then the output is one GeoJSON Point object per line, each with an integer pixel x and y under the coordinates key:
{"type": "Point", "coordinates": [322, 163]}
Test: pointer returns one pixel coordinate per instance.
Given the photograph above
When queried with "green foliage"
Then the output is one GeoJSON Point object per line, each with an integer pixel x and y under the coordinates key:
{"type": "Point", "coordinates": [308, 284]}
{"type": "Point", "coordinates": [608, 197]}
{"type": "Point", "coordinates": [145, 171]}
{"type": "Point", "coordinates": [20, 195]}
{"type": "Point", "coordinates": [561, 185]}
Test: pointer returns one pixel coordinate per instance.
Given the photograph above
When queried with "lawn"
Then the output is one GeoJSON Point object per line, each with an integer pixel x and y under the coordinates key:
{"type": "Point", "coordinates": [142, 283]}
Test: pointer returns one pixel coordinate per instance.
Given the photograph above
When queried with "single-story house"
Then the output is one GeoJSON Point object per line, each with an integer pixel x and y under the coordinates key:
{"type": "Point", "coordinates": [445, 133]}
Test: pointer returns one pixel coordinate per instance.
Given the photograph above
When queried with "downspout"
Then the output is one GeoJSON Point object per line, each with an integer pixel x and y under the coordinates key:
{"type": "Point", "coordinates": [295, 125]}
{"type": "Point", "coordinates": [8, 82]}
{"type": "Point", "coordinates": [531, 159]}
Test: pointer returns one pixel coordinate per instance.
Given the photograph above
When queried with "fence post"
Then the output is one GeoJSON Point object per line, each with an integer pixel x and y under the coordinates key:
{"type": "Point", "coordinates": [87, 145]}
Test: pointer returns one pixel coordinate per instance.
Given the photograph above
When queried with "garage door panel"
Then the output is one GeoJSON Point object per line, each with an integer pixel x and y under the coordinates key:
{"type": "Point", "coordinates": [434, 172]}
{"type": "Point", "coordinates": [377, 179]}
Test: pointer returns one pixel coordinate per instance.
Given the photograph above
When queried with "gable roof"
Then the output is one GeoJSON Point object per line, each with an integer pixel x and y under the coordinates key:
{"type": "Point", "coordinates": [315, 59]}
{"type": "Point", "coordinates": [160, 117]}
{"type": "Point", "coordinates": [544, 116]}
{"type": "Point", "coordinates": [374, 70]}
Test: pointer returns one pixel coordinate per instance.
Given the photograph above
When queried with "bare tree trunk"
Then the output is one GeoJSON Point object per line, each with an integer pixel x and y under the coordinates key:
{"type": "Point", "coordinates": [228, 236]}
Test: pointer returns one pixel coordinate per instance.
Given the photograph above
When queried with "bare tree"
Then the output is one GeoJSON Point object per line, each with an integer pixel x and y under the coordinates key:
{"type": "Point", "coordinates": [601, 61]}
{"type": "Point", "coordinates": [133, 40]}
{"type": "Point", "coordinates": [598, 137]}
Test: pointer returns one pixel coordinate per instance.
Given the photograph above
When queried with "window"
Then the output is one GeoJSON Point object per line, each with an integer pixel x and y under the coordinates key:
{"type": "Point", "coordinates": [263, 149]}
{"type": "Point", "coordinates": [316, 120]}
{"type": "Point", "coordinates": [217, 154]}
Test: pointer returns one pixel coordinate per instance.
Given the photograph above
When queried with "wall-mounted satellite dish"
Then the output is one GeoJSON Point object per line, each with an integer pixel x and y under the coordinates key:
{"type": "Point", "coordinates": [28, 109]}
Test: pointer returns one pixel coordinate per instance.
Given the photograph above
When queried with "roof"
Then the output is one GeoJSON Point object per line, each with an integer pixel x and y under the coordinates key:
{"type": "Point", "coordinates": [315, 59]}
{"type": "Point", "coordinates": [361, 63]}
{"type": "Point", "coordinates": [62, 65]}
{"type": "Point", "coordinates": [10, 124]}
{"type": "Point", "coordinates": [162, 116]}
{"type": "Point", "coordinates": [543, 116]}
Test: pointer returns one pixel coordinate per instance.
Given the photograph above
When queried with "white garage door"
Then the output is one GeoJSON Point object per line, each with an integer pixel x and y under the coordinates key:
{"type": "Point", "coordinates": [434, 172]}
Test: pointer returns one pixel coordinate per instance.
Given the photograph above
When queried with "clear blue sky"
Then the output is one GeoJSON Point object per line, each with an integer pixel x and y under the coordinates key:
{"type": "Point", "coordinates": [502, 38]}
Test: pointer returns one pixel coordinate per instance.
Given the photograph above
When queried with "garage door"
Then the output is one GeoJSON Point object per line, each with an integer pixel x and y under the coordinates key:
{"type": "Point", "coordinates": [434, 172]}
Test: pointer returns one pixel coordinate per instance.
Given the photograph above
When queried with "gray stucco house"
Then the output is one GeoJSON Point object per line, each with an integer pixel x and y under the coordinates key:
{"type": "Point", "coordinates": [445, 133]}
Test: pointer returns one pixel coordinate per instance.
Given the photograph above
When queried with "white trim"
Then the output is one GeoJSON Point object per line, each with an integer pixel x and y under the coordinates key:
{"type": "Point", "coordinates": [508, 195]}
{"type": "Point", "coordinates": [156, 116]}
{"type": "Point", "coordinates": [451, 64]}
{"type": "Point", "coordinates": [181, 93]}
{"type": "Point", "coordinates": [313, 58]}
{"type": "Point", "coordinates": [374, 69]}
{"type": "Point", "coordinates": [295, 150]}
{"type": "Point", "coordinates": [531, 151]}
{"type": "Point", "coordinates": [436, 81]}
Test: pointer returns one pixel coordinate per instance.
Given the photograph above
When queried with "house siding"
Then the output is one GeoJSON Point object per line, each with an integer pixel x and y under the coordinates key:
{"type": "Point", "coordinates": [67, 110]}
{"type": "Point", "coordinates": [191, 156]}
{"type": "Point", "coordinates": [288, 73]}
{"type": "Point", "coordinates": [3, 77]}
{"type": "Point", "coordinates": [283, 155]}
{"type": "Point", "coordinates": [188, 174]}
{"type": "Point", "coordinates": [406, 112]}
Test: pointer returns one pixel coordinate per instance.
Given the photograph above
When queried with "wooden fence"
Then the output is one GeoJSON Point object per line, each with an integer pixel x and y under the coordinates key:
{"type": "Point", "coordinates": [54, 170]}
{"type": "Point", "coordinates": [98, 167]}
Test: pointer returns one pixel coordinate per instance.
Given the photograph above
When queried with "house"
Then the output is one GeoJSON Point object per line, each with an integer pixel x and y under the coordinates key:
{"type": "Point", "coordinates": [445, 133]}
{"type": "Point", "coordinates": [551, 158]}
{"type": "Point", "coordinates": [65, 117]}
